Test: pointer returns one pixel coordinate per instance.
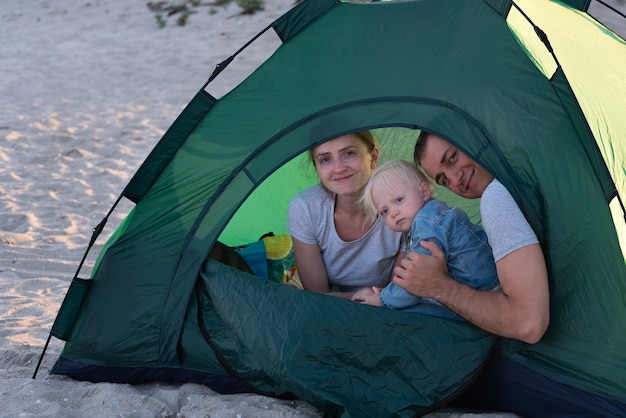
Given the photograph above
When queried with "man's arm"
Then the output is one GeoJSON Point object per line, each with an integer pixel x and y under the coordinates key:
{"type": "Point", "coordinates": [520, 309]}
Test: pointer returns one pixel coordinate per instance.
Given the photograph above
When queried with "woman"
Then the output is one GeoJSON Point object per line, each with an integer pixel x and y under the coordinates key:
{"type": "Point", "coordinates": [335, 242]}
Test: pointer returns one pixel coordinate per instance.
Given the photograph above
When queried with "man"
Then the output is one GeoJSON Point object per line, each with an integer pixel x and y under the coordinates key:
{"type": "Point", "coordinates": [519, 310]}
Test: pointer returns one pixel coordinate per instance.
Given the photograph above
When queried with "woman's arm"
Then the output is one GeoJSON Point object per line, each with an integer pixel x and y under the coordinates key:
{"type": "Point", "coordinates": [310, 266]}
{"type": "Point", "coordinates": [312, 270]}
{"type": "Point", "coordinates": [519, 310]}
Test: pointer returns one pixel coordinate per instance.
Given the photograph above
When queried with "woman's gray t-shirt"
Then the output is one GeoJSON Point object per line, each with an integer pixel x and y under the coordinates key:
{"type": "Point", "coordinates": [506, 227]}
{"type": "Point", "coordinates": [351, 265]}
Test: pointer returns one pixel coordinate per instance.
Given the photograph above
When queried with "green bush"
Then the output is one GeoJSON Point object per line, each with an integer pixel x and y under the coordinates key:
{"type": "Point", "coordinates": [183, 9]}
{"type": "Point", "coordinates": [250, 6]}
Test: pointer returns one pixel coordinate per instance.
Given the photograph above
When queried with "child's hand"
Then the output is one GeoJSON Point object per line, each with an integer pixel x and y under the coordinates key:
{"type": "Point", "coordinates": [360, 295]}
{"type": "Point", "coordinates": [368, 296]}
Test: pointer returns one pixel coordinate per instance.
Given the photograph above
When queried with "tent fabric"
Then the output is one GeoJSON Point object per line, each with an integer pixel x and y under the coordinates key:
{"type": "Point", "coordinates": [292, 347]}
{"type": "Point", "coordinates": [549, 129]}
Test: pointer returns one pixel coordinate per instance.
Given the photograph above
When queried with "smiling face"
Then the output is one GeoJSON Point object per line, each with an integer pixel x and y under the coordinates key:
{"type": "Point", "coordinates": [345, 164]}
{"type": "Point", "coordinates": [399, 204]}
{"type": "Point", "coordinates": [451, 168]}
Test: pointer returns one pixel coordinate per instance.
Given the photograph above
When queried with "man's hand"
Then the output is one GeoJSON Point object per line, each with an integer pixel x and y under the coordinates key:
{"type": "Point", "coordinates": [422, 274]}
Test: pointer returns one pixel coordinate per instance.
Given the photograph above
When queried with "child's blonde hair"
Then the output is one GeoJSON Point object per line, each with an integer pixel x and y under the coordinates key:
{"type": "Point", "coordinates": [385, 178]}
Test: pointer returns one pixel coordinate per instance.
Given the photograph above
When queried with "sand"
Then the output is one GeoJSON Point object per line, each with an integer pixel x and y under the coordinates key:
{"type": "Point", "coordinates": [87, 88]}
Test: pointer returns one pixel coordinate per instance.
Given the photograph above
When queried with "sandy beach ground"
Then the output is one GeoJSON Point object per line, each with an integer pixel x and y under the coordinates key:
{"type": "Point", "coordinates": [87, 88]}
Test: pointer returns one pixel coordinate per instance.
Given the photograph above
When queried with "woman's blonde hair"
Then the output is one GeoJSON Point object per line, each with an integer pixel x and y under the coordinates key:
{"type": "Point", "coordinates": [365, 137]}
{"type": "Point", "coordinates": [386, 178]}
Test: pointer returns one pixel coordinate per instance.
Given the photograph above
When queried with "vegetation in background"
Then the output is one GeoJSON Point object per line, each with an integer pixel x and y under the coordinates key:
{"type": "Point", "coordinates": [250, 6]}
{"type": "Point", "coordinates": [181, 10]}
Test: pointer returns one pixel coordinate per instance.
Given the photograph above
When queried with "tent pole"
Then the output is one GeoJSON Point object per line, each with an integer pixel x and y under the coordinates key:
{"type": "Point", "coordinates": [45, 347]}
{"type": "Point", "coordinates": [94, 236]}
{"type": "Point", "coordinates": [220, 67]}
{"type": "Point", "coordinates": [621, 203]}
{"type": "Point", "coordinates": [540, 34]}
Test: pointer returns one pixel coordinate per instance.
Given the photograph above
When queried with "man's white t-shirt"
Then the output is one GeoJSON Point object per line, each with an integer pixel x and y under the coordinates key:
{"type": "Point", "coordinates": [506, 227]}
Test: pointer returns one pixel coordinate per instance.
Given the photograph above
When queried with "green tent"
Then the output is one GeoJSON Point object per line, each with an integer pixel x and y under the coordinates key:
{"type": "Point", "coordinates": [550, 126]}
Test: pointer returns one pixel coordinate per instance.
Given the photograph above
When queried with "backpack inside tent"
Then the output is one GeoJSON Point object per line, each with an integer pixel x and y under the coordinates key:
{"type": "Point", "coordinates": [546, 118]}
